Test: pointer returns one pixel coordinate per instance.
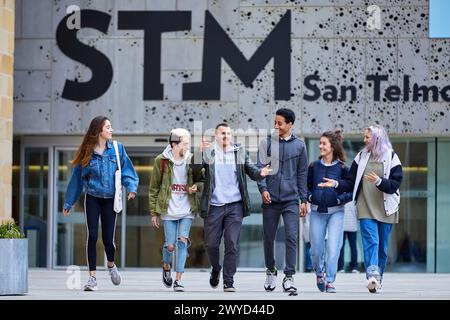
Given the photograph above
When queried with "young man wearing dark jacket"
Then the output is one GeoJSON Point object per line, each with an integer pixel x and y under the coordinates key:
{"type": "Point", "coordinates": [225, 201]}
{"type": "Point", "coordinates": [281, 193]}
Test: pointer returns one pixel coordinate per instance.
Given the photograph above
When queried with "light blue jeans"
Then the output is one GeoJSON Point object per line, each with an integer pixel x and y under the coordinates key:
{"type": "Point", "coordinates": [375, 239]}
{"type": "Point", "coordinates": [174, 230]}
{"type": "Point", "coordinates": [319, 224]}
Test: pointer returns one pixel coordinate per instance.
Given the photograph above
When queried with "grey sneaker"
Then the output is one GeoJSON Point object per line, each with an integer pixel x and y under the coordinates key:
{"type": "Point", "coordinates": [288, 284]}
{"type": "Point", "coordinates": [115, 275]}
{"type": "Point", "coordinates": [330, 288]}
{"type": "Point", "coordinates": [91, 284]}
{"type": "Point", "coordinates": [320, 282]}
{"type": "Point", "coordinates": [178, 286]}
{"type": "Point", "coordinates": [271, 280]}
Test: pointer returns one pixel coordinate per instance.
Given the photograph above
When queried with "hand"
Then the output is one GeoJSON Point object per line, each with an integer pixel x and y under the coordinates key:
{"type": "Point", "coordinates": [372, 177]}
{"type": "Point", "coordinates": [204, 145]}
{"type": "Point", "coordinates": [66, 212]}
{"type": "Point", "coordinates": [329, 183]}
{"type": "Point", "coordinates": [193, 189]}
{"type": "Point", "coordinates": [131, 195]}
{"type": "Point", "coordinates": [303, 210]}
{"type": "Point", "coordinates": [266, 197]}
{"type": "Point", "coordinates": [155, 221]}
{"type": "Point", "coordinates": [265, 171]}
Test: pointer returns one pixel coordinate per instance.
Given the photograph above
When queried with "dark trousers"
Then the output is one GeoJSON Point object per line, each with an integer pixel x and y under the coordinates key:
{"type": "Point", "coordinates": [96, 208]}
{"type": "Point", "coordinates": [351, 236]}
{"type": "Point", "coordinates": [271, 218]}
{"type": "Point", "coordinates": [227, 221]}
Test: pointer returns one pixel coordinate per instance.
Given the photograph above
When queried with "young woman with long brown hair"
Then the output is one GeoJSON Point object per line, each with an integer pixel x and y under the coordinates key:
{"type": "Point", "coordinates": [327, 209]}
{"type": "Point", "coordinates": [94, 170]}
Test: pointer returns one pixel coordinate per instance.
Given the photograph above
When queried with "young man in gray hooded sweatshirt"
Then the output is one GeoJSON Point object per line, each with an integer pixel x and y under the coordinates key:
{"type": "Point", "coordinates": [281, 193]}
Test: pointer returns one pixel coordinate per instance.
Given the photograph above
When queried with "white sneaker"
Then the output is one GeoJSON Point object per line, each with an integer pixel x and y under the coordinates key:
{"type": "Point", "coordinates": [380, 288]}
{"type": "Point", "coordinates": [355, 271]}
{"type": "Point", "coordinates": [91, 284]}
{"type": "Point", "coordinates": [115, 275]}
{"type": "Point", "coordinates": [271, 280]}
{"type": "Point", "coordinates": [372, 284]}
{"type": "Point", "coordinates": [288, 284]}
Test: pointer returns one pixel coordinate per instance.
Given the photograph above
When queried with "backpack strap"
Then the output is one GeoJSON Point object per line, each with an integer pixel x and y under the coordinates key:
{"type": "Point", "coordinates": [163, 168]}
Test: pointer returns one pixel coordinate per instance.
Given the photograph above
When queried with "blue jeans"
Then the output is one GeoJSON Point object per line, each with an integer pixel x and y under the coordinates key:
{"type": "Point", "coordinates": [375, 238]}
{"type": "Point", "coordinates": [319, 224]}
{"type": "Point", "coordinates": [308, 261]}
{"type": "Point", "coordinates": [174, 230]}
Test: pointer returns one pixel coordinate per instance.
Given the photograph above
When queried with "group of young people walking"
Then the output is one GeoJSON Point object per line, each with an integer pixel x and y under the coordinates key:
{"type": "Point", "coordinates": [212, 183]}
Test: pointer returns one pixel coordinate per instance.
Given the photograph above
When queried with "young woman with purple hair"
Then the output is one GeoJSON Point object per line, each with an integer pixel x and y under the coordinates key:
{"type": "Point", "coordinates": [375, 177]}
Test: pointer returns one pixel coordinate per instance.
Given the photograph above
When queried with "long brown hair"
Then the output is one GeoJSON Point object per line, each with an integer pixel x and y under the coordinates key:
{"type": "Point", "coordinates": [335, 139]}
{"type": "Point", "coordinates": [84, 152]}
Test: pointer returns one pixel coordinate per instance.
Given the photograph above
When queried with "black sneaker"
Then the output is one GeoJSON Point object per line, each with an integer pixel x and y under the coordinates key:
{"type": "Point", "coordinates": [167, 278]}
{"type": "Point", "coordinates": [178, 286]}
{"type": "Point", "coordinates": [214, 279]}
{"type": "Point", "coordinates": [228, 288]}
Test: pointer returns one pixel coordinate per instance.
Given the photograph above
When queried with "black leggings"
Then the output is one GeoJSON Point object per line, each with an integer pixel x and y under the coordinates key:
{"type": "Point", "coordinates": [94, 208]}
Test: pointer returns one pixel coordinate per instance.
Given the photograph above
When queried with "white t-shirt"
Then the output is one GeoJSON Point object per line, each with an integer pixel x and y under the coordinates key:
{"type": "Point", "coordinates": [179, 206]}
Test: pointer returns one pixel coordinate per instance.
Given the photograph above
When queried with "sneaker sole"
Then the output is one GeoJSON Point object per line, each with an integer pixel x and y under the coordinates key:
{"type": "Point", "coordinates": [90, 289]}
{"type": "Point", "coordinates": [290, 290]}
{"type": "Point", "coordinates": [269, 289]}
{"type": "Point", "coordinates": [178, 289]}
{"type": "Point", "coordinates": [229, 290]}
{"type": "Point", "coordinates": [116, 283]}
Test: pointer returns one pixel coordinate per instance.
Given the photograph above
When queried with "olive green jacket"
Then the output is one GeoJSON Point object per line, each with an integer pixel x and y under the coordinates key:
{"type": "Point", "coordinates": [160, 189]}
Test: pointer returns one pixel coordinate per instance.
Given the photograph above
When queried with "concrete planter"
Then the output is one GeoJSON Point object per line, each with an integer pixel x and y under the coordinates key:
{"type": "Point", "coordinates": [13, 266]}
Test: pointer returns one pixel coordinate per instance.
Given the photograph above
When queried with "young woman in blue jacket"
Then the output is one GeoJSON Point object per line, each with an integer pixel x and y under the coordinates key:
{"type": "Point", "coordinates": [94, 170]}
{"type": "Point", "coordinates": [327, 209]}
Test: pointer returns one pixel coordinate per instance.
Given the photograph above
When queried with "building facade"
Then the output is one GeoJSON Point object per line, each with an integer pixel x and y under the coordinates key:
{"type": "Point", "coordinates": [6, 105]}
{"type": "Point", "coordinates": [152, 65]}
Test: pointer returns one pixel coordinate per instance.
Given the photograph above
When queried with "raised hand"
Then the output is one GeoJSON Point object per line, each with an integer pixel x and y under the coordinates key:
{"type": "Point", "coordinates": [204, 145]}
{"type": "Point", "coordinates": [372, 177]}
{"type": "Point", "coordinates": [265, 171]}
{"type": "Point", "coordinates": [329, 183]}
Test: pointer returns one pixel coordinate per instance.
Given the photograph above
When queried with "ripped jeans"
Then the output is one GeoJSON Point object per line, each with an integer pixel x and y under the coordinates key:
{"type": "Point", "coordinates": [174, 230]}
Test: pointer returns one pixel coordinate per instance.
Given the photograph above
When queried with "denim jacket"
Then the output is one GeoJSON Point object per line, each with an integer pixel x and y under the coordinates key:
{"type": "Point", "coordinates": [97, 178]}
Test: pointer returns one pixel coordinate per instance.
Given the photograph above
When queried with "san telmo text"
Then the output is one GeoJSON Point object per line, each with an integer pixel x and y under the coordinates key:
{"type": "Point", "coordinates": [378, 89]}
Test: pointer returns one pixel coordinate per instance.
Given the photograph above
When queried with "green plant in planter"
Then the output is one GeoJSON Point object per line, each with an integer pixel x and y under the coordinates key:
{"type": "Point", "coordinates": [9, 230]}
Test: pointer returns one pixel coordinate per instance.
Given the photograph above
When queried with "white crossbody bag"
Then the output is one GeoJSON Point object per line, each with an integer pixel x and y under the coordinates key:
{"type": "Point", "coordinates": [118, 182]}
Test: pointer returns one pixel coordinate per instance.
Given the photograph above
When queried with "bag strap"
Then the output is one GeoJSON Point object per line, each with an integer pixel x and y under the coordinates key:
{"type": "Point", "coordinates": [116, 149]}
{"type": "Point", "coordinates": [163, 168]}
